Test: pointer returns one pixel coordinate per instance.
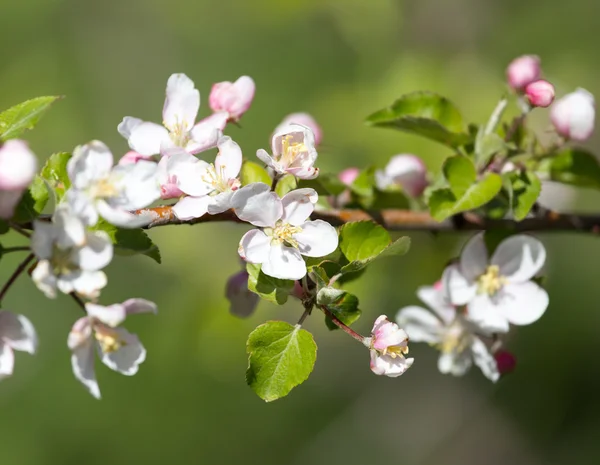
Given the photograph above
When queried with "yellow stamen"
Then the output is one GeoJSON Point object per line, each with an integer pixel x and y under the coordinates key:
{"type": "Point", "coordinates": [108, 339]}
{"type": "Point", "coordinates": [289, 151]}
{"type": "Point", "coordinates": [282, 233]}
{"type": "Point", "coordinates": [491, 281]}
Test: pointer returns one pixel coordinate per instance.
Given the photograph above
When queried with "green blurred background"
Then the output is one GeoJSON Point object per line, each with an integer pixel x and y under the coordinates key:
{"type": "Point", "coordinates": [339, 60]}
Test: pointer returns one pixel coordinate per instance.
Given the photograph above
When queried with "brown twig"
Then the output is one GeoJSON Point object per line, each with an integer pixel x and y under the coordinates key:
{"type": "Point", "coordinates": [340, 324]}
{"type": "Point", "coordinates": [22, 266]}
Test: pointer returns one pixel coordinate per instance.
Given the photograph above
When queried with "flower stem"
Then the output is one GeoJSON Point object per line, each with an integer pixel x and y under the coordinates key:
{"type": "Point", "coordinates": [341, 325]}
{"type": "Point", "coordinates": [15, 249]}
{"type": "Point", "coordinates": [78, 300]}
{"type": "Point", "coordinates": [19, 229]}
{"type": "Point", "coordinates": [15, 275]}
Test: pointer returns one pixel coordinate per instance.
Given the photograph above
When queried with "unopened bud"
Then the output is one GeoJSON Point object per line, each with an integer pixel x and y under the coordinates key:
{"type": "Point", "coordinates": [539, 93]}
{"type": "Point", "coordinates": [522, 71]}
{"type": "Point", "coordinates": [505, 361]}
{"type": "Point", "coordinates": [233, 97]}
{"type": "Point", "coordinates": [349, 175]}
{"type": "Point", "coordinates": [17, 169]}
{"type": "Point", "coordinates": [573, 115]}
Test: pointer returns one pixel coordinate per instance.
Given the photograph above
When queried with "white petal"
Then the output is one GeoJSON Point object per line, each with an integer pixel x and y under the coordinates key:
{"type": "Point", "coordinates": [191, 207]}
{"type": "Point", "coordinates": [7, 361]}
{"type": "Point", "coordinates": [70, 229]}
{"type": "Point", "coordinates": [484, 313]}
{"type": "Point", "coordinates": [134, 306]}
{"type": "Point", "coordinates": [298, 205]}
{"type": "Point", "coordinates": [127, 359]}
{"type": "Point", "coordinates": [256, 204]}
{"type": "Point", "coordinates": [263, 156]}
{"type": "Point", "coordinates": [474, 258]}
{"type": "Point", "coordinates": [484, 360]}
{"type": "Point", "coordinates": [148, 138]}
{"type": "Point", "coordinates": [284, 263]}
{"type": "Point", "coordinates": [317, 238]}
{"type": "Point", "coordinates": [434, 299]}
{"type": "Point", "coordinates": [519, 257]}
{"type": "Point", "coordinates": [192, 177]}
{"type": "Point", "coordinates": [44, 279]}
{"type": "Point", "coordinates": [229, 160]}
{"type": "Point", "coordinates": [119, 217]}
{"type": "Point", "coordinates": [389, 366]}
{"type": "Point", "coordinates": [255, 246]}
{"type": "Point", "coordinates": [89, 162]}
{"type": "Point", "coordinates": [140, 181]}
{"type": "Point", "coordinates": [18, 332]}
{"type": "Point", "coordinates": [181, 104]}
{"type": "Point", "coordinates": [80, 203]}
{"type": "Point", "coordinates": [82, 362]}
{"type": "Point", "coordinates": [112, 315]}
{"type": "Point", "coordinates": [43, 238]}
{"type": "Point", "coordinates": [80, 333]}
{"type": "Point", "coordinates": [303, 172]}
{"type": "Point", "coordinates": [206, 134]}
{"type": "Point", "coordinates": [419, 324]}
{"type": "Point", "coordinates": [128, 124]}
{"type": "Point", "coordinates": [87, 283]}
{"type": "Point", "coordinates": [220, 203]}
{"type": "Point", "coordinates": [455, 363]}
{"type": "Point", "coordinates": [522, 303]}
{"type": "Point", "coordinates": [96, 254]}
{"type": "Point", "coordinates": [457, 289]}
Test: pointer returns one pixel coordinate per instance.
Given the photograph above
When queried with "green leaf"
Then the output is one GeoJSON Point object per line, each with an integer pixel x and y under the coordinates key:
{"type": "Point", "coordinates": [525, 188]}
{"type": "Point", "coordinates": [425, 114]}
{"type": "Point", "coordinates": [32, 202]}
{"type": "Point", "coordinates": [341, 303]}
{"type": "Point", "coordinates": [130, 241]}
{"type": "Point", "coordinates": [286, 184]}
{"type": "Point", "coordinates": [486, 146]}
{"type": "Point", "coordinates": [23, 116]}
{"type": "Point", "coordinates": [390, 199]}
{"type": "Point", "coordinates": [364, 183]}
{"type": "Point", "coordinates": [269, 288]}
{"type": "Point", "coordinates": [325, 184]}
{"type": "Point", "coordinates": [55, 173]}
{"type": "Point", "coordinates": [460, 173]}
{"type": "Point", "coordinates": [4, 227]}
{"type": "Point", "coordinates": [280, 357]}
{"type": "Point", "coordinates": [576, 166]}
{"type": "Point", "coordinates": [253, 172]}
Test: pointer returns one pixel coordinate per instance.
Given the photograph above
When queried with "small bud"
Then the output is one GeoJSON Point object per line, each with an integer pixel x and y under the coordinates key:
{"type": "Point", "coordinates": [540, 93]}
{"type": "Point", "coordinates": [17, 169]}
{"type": "Point", "coordinates": [573, 115]}
{"type": "Point", "coordinates": [132, 157]}
{"type": "Point", "coordinates": [505, 361]}
{"type": "Point", "coordinates": [349, 175]}
{"type": "Point", "coordinates": [388, 344]}
{"type": "Point", "coordinates": [522, 71]}
{"type": "Point", "coordinates": [305, 120]}
{"type": "Point", "coordinates": [234, 98]}
{"type": "Point", "coordinates": [243, 301]}
{"type": "Point", "coordinates": [406, 171]}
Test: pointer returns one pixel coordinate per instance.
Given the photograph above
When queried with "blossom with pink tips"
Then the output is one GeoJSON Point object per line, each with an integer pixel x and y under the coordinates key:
{"type": "Point", "coordinates": [16, 333]}
{"type": "Point", "coordinates": [132, 157]}
{"type": "Point", "coordinates": [406, 171]}
{"type": "Point", "coordinates": [388, 344]}
{"type": "Point", "coordinates": [304, 119]}
{"type": "Point", "coordinates": [539, 93]}
{"type": "Point", "coordinates": [522, 71]}
{"type": "Point", "coordinates": [17, 169]}
{"type": "Point", "coordinates": [573, 115]}
{"type": "Point", "coordinates": [234, 98]}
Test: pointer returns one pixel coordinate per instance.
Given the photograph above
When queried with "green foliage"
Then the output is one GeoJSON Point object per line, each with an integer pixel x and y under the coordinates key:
{"type": "Point", "coordinates": [341, 303]}
{"type": "Point", "coordinates": [425, 114]}
{"type": "Point", "coordinates": [280, 357]}
{"type": "Point", "coordinates": [25, 115]}
{"type": "Point", "coordinates": [286, 184]}
{"type": "Point", "coordinates": [32, 202]}
{"type": "Point", "coordinates": [325, 184]}
{"type": "Point", "coordinates": [576, 166]}
{"type": "Point", "coordinates": [55, 173]}
{"type": "Point", "coordinates": [523, 188]}
{"type": "Point", "coordinates": [486, 146]}
{"type": "Point", "coordinates": [364, 183]}
{"type": "Point", "coordinates": [269, 288]}
{"type": "Point", "coordinates": [253, 172]}
{"type": "Point", "coordinates": [130, 241]}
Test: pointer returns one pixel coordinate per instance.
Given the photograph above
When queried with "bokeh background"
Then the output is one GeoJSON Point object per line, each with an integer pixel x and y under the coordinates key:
{"type": "Point", "coordinates": [339, 60]}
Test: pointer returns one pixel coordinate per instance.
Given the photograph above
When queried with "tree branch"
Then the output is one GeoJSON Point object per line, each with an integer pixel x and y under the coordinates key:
{"type": "Point", "coordinates": [406, 220]}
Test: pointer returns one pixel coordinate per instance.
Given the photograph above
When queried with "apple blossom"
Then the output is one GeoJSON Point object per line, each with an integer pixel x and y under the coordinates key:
{"type": "Point", "coordinates": [539, 93]}
{"type": "Point", "coordinates": [17, 169]}
{"type": "Point", "coordinates": [294, 152]}
{"type": "Point", "coordinates": [242, 301]}
{"type": "Point", "coordinates": [406, 171]}
{"type": "Point", "coordinates": [500, 291]}
{"type": "Point", "coordinates": [232, 97]}
{"type": "Point", "coordinates": [16, 333]}
{"type": "Point", "coordinates": [209, 187]}
{"type": "Point", "coordinates": [98, 331]}
{"type": "Point", "coordinates": [303, 119]}
{"type": "Point", "coordinates": [573, 115]}
{"type": "Point", "coordinates": [179, 129]}
{"type": "Point", "coordinates": [70, 257]}
{"type": "Point", "coordinates": [99, 189]}
{"type": "Point", "coordinates": [286, 232]}
{"type": "Point", "coordinates": [348, 175]}
{"type": "Point", "coordinates": [522, 71]}
{"type": "Point", "coordinates": [388, 345]}
{"type": "Point", "coordinates": [448, 331]}
{"type": "Point", "coordinates": [133, 157]}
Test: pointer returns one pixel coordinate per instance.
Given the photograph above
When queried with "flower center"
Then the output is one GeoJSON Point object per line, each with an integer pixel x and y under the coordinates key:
{"type": "Point", "coordinates": [219, 181]}
{"type": "Point", "coordinates": [108, 338]}
{"type": "Point", "coordinates": [491, 281]}
{"type": "Point", "coordinates": [395, 351]}
{"type": "Point", "coordinates": [283, 233]}
{"type": "Point", "coordinates": [61, 261]}
{"type": "Point", "coordinates": [178, 134]}
{"type": "Point", "coordinates": [290, 150]}
{"type": "Point", "coordinates": [455, 339]}
{"type": "Point", "coordinates": [104, 188]}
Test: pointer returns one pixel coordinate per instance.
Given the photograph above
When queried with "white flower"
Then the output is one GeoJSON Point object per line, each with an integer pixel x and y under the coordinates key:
{"type": "Point", "coordinates": [179, 129]}
{"type": "Point", "coordinates": [17, 169]}
{"type": "Point", "coordinates": [286, 232]}
{"type": "Point", "coordinates": [501, 291]}
{"type": "Point", "coordinates": [16, 333]}
{"type": "Point", "coordinates": [305, 120]}
{"type": "Point", "coordinates": [100, 189]}
{"type": "Point", "coordinates": [406, 171]}
{"type": "Point", "coordinates": [388, 344]}
{"type": "Point", "coordinates": [294, 152]}
{"type": "Point", "coordinates": [118, 349]}
{"type": "Point", "coordinates": [69, 256]}
{"type": "Point", "coordinates": [209, 187]}
{"type": "Point", "coordinates": [573, 115]}
{"type": "Point", "coordinates": [449, 332]}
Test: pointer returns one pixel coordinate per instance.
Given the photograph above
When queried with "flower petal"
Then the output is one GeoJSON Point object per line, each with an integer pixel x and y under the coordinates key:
{"type": "Point", "coordinates": [284, 263]}
{"type": "Point", "coordinates": [44, 279]}
{"type": "Point", "coordinates": [420, 324]}
{"type": "Point", "coordinates": [80, 333]}
{"type": "Point", "coordinates": [434, 299]}
{"type": "Point", "coordinates": [70, 228]}
{"type": "Point", "coordinates": [457, 289]}
{"type": "Point", "coordinates": [191, 207]}
{"type": "Point", "coordinates": [220, 203]}
{"type": "Point", "coordinates": [112, 315]}
{"type": "Point", "coordinates": [128, 124]}
{"type": "Point", "coordinates": [255, 246]}
{"type": "Point", "coordinates": [484, 360]}
{"type": "Point", "coordinates": [519, 257]}
{"type": "Point", "coordinates": [484, 313]}
{"type": "Point", "coordinates": [148, 138]}
{"type": "Point", "coordinates": [127, 359]}
{"type": "Point", "coordinates": [389, 366]}
{"type": "Point", "coordinates": [263, 156]}
{"type": "Point", "coordinates": [140, 184]}
{"type": "Point", "coordinates": [86, 283]}
{"type": "Point", "coordinates": [181, 104]}
{"type": "Point", "coordinates": [455, 363]}
{"type": "Point", "coordinates": [18, 332]}
{"type": "Point", "coordinates": [43, 238]}
{"type": "Point", "coordinates": [208, 131]}
{"type": "Point", "coordinates": [474, 258]}
{"type": "Point", "coordinates": [89, 162]}
{"type": "Point", "coordinates": [82, 362]}
{"type": "Point", "coordinates": [7, 361]}
{"type": "Point", "coordinates": [256, 204]}
{"type": "Point", "coordinates": [298, 205]}
{"type": "Point", "coordinates": [82, 206]}
{"type": "Point", "coordinates": [228, 162]}
{"type": "Point", "coordinates": [189, 174]}
{"type": "Point", "coordinates": [96, 254]}
{"type": "Point", "coordinates": [522, 303]}
{"type": "Point", "coordinates": [317, 238]}
{"type": "Point", "coordinates": [134, 306]}
{"type": "Point", "coordinates": [119, 217]}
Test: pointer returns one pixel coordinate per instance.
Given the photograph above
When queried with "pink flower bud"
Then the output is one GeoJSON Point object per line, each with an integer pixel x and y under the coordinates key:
{"type": "Point", "coordinates": [406, 171]}
{"type": "Point", "coordinates": [349, 175]}
{"type": "Point", "coordinates": [539, 93]}
{"type": "Point", "coordinates": [505, 361]}
{"type": "Point", "coordinates": [522, 71]}
{"type": "Point", "coordinates": [298, 291]}
{"type": "Point", "coordinates": [132, 157]}
{"type": "Point", "coordinates": [388, 344]}
{"type": "Point", "coordinates": [17, 169]}
{"type": "Point", "coordinates": [573, 115]}
{"type": "Point", "coordinates": [305, 120]}
{"type": "Point", "coordinates": [243, 301]}
{"type": "Point", "coordinates": [234, 98]}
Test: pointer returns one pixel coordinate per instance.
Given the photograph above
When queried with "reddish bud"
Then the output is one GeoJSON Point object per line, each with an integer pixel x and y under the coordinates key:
{"type": "Point", "coordinates": [539, 93]}
{"type": "Point", "coordinates": [505, 361]}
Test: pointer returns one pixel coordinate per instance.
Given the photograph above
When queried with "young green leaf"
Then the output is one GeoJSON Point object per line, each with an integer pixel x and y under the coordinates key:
{"type": "Point", "coordinates": [342, 304]}
{"type": "Point", "coordinates": [130, 241]}
{"type": "Point", "coordinates": [286, 184]}
{"type": "Point", "coordinates": [32, 202]}
{"type": "Point", "coordinates": [269, 288]}
{"type": "Point", "coordinates": [55, 173]}
{"type": "Point", "coordinates": [280, 357]}
{"type": "Point", "coordinates": [576, 166]}
{"type": "Point", "coordinates": [364, 183]}
{"type": "Point", "coordinates": [486, 146]}
{"type": "Point", "coordinates": [25, 115]}
{"type": "Point", "coordinates": [525, 188]}
{"type": "Point", "coordinates": [253, 172]}
{"type": "Point", "coordinates": [460, 173]}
